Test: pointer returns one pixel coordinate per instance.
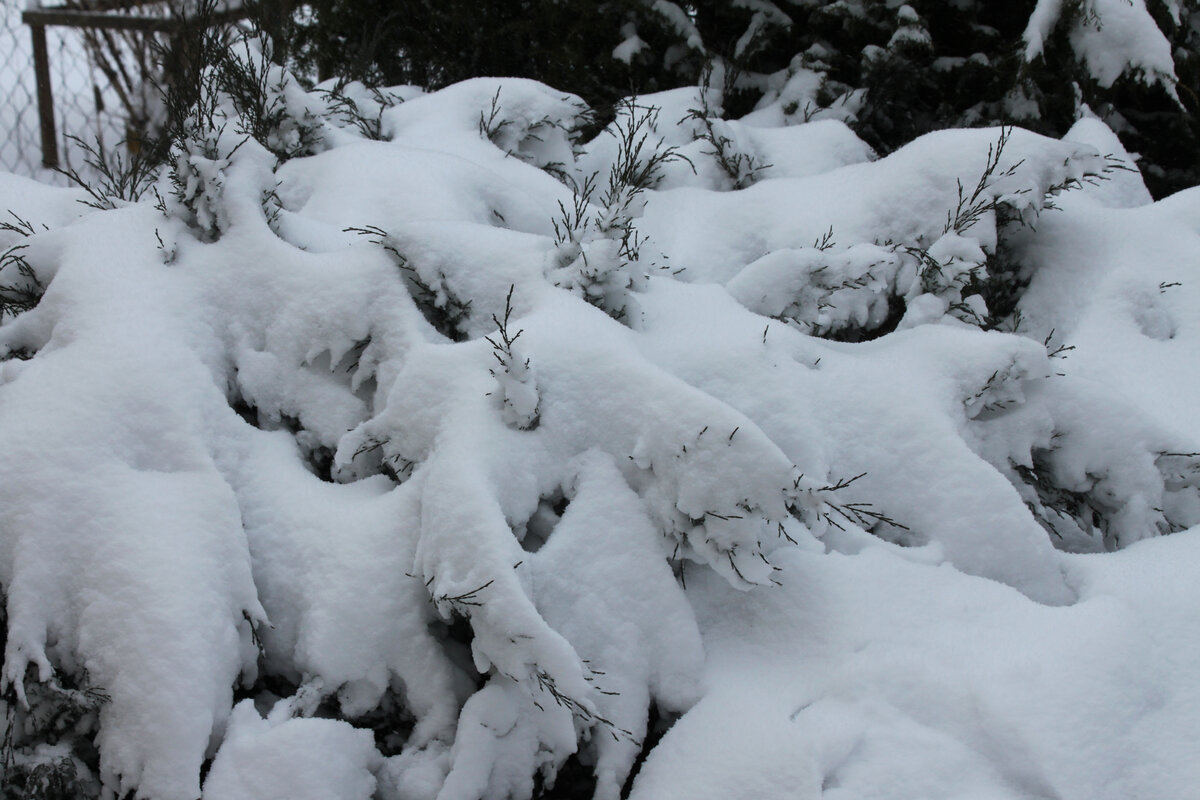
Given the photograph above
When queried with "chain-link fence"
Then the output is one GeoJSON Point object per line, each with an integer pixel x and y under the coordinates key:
{"type": "Point", "coordinates": [84, 104]}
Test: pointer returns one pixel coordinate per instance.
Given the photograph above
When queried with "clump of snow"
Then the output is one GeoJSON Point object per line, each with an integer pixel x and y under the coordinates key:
{"type": "Point", "coordinates": [910, 34]}
{"type": "Point", "coordinates": [291, 759]}
{"type": "Point", "coordinates": [630, 46]}
{"type": "Point", "coordinates": [1111, 37]}
{"type": "Point", "coordinates": [522, 118]}
{"type": "Point", "coordinates": [1123, 186]}
{"type": "Point", "coordinates": [803, 93]}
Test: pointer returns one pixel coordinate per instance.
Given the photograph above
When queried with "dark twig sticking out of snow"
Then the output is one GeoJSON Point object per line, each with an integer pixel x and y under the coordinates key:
{"type": "Point", "coordinates": [598, 247]}
{"type": "Point", "coordinates": [516, 381]}
{"type": "Point", "coordinates": [439, 304]}
{"type": "Point", "coordinates": [740, 167]}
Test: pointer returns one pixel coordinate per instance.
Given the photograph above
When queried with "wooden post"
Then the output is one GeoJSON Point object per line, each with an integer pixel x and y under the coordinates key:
{"type": "Point", "coordinates": [41, 68]}
{"type": "Point", "coordinates": [38, 18]}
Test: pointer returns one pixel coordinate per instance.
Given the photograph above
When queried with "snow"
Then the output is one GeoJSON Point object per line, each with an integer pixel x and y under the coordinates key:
{"type": "Point", "coordinates": [292, 759]}
{"type": "Point", "coordinates": [456, 475]}
{"type": "Point", "coordinates": [677, 18]}
{"type": "Point", "coordinates": [1123, 289]}
{"type": "Point", "coordinates": [1123, 188]}
{"type": "Point", "coordinates": [49, 205]}
{"type": "Point", "coordinates": [903, 198]}
{"type": "Point", "coordinates": [146, 539]}
{"type": "Point", "coordinates": [886, 678]}
{"type": "Point", "coordinates": [1111, 37]}
{"type": "Point", "coordinates": [630, 46]}
{"type": "Point", "coordinates": [650, 645]}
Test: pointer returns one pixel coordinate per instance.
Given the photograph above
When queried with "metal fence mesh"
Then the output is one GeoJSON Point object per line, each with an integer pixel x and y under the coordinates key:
{"type": "Point", "coordinates": [84, 105]}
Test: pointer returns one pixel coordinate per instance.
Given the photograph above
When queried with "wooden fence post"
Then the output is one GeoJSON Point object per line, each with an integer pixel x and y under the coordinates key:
{"type": "Point", "coordinates": [41, 67]}
{"type": "Point", "coordinates": [95, 17]}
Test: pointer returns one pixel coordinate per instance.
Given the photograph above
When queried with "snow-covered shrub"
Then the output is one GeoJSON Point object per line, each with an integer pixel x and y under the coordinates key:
{"type": "Point", "coordinates": [947, 253]}
{"type": "Point", "coordinates": [523, 119]}
{"type": "Point", "coordinates": [419, 482]}
{"type": "Point", "coordinates": [46, 739]}
{"type": "Point", "coordinates": [597, 246]}
{"type": "Point", "coordinates": [740, 167]}
{"type": "Point", "coordinates": [350, 103]}
{"type": "Point", "coordinates": [25, 289]}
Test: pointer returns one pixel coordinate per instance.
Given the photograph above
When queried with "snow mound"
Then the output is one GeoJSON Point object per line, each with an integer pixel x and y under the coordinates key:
{"type": "Point", "coordinates": [293, 759]}
{"type": "Point", "coordinates": [906, 680]}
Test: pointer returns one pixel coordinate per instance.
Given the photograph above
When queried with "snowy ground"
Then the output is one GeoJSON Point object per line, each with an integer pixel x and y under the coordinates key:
{"type": "Point", "coordinates": [281, 434]}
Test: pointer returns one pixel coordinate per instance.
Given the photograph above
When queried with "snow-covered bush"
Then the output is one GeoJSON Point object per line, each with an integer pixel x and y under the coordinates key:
{"type": "Point", "coordinates": [598, 248]}
{"type": "Point", "coordinates": [411, 446]}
